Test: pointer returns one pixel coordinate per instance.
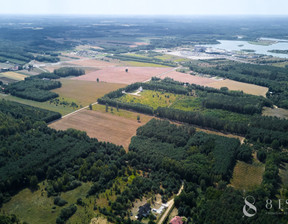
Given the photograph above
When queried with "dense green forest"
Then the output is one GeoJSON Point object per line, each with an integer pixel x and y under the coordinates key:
{"type": "Point", "coordinates": [21, 111]}
{"type": "Point", "coordinates": [167, 155]}
{"type": "Point", "coordinates": [33, 89]}
{"type": "Point", "coordinates": [37, 87]}
{"type": "Point", "coordinates": [31, 152]}
{"type": "Point", "coordinates": [205, 163]}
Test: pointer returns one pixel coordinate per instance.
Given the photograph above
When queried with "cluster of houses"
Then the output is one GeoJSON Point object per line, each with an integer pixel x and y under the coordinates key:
{"type": "Point", "coordinates": [11, 68]}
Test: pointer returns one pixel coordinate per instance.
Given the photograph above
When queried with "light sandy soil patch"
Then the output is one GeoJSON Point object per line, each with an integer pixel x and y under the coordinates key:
{"type": "Point", "coordinates": [99, 220]}
{"type": "Point", "coordinates": [241, 139]}
{"type": "Point", "coordinates": [85, 92]}
{"type": "Point", "coordinates": [136, 44]}
{"type": "Point", "coordinates": [183, 77]}
{"type": "Point", "coordinates": [87, 47]}
{"type": "Point", "coordinates": [103, 126]}
{"type": "Point", "coordinates": [119, 75]}
{"type": "Point", "coordinates": [275, 112]}
{"type": "Point", "coordinates": [240, 86]}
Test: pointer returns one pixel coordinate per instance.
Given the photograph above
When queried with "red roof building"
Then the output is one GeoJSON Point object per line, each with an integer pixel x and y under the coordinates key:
{"type": "Point", "coordinates": [176, 220]}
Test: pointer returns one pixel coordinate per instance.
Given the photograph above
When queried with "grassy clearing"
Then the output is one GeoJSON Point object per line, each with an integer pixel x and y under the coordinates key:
{"type": "Point", "coordinates": [151, 98]}
{"type": "Point", "coordinates": [44, 105]}
{"type": "Point", "coordinates": [13, 75]}
{"type": "Point", "coordinates": [36, 207]}
{"type": "Point", "coordinates": [275, 112]}
{"type": "Point", "coordinates": [168, 57]}
{"type": "Point", "coordinates": [194, 104]}
{"type": "Point", "coordinates": [280, 64]}
{"type": "Point", "coordinates": [247, 176]}
{"type": "Point", "coordinates": [84, 92]}
{"type": "Point", "coordinates": [122, 113]}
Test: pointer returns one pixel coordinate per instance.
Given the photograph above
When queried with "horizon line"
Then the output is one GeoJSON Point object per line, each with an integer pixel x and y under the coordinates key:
{"type": "Point", "coordinates": [140, 15]}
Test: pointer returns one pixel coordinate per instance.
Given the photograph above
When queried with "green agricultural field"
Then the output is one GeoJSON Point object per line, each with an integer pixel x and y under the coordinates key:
{"type": "Point", "coordinates": [84, 92]}
{"type": "Point", "coordinates": [138, 55]}
{"type": "Point", "coordinates": [167, 57]}
{"type": "Point", "coordinates": [62, 109]}
{"type": "Point", "coordinates": [242, 181]}
{"type": "Point", "coordinates": [151, 98]}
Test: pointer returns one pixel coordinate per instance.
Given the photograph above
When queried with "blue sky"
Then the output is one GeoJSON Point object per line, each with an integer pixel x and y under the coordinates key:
{"type": "Point", "coordinates": [146, 7]}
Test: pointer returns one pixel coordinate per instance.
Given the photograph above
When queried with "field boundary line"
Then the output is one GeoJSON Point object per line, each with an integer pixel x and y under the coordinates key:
{"type": "Point", "coordinates": [74, 112]}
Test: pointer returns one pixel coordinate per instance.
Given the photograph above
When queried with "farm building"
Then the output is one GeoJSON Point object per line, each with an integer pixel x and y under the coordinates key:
{"type": "Point", "coordinates": [176, 220]}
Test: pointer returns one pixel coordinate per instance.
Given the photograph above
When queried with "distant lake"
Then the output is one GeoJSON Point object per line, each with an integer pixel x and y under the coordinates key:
{"type": "Point", "coordinates": [237, 45]}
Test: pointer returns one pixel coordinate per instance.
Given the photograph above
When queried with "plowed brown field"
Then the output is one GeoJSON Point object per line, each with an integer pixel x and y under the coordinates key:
{"type": "Point", "coordinates": [119, 75]}
{"type": "Point", "coordinates": [103, 126]}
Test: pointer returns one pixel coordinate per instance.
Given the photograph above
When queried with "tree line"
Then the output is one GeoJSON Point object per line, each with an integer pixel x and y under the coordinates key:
{"type": "Point", "coordinates": [37, 87]}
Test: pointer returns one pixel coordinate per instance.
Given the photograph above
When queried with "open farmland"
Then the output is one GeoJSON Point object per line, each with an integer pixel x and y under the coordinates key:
{"type": "Point", "coordinates": [119, 75]}
{"type": "Point", "coordinates": [92, 63]}
{"type": "Point", "coordinates": [183, 77]}
{"type": "Point", "coordinates": [142, 64]}
{"type": "Point", "coordinates": [85, 92]}
{"type": "Point", "coordinates": [242, 181]}
{"type": "Point", "coordinates": [13, 75]}
{"type": "Point", "coordinates": [44, 105]}
{"type": "Point", "coordinates": [245, 87]}
{"type": "Point", "coordinates": [103, 126]}
{"type": "Point", "coordinates": [6, 80]}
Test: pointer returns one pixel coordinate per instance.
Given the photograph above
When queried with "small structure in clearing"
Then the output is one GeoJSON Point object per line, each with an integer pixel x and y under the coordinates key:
{"type": "Point", "coordinates": [144, 211]}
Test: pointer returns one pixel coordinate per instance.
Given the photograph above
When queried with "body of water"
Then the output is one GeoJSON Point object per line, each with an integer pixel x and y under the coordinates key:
{"type": "Point", "coordinates": [235, 45]}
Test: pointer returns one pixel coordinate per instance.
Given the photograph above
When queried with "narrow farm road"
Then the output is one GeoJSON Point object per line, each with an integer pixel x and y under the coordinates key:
{"type": "Point", "coordinates": [74, 112]}
{"type": "Point", "coordinates": [170, 205]}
